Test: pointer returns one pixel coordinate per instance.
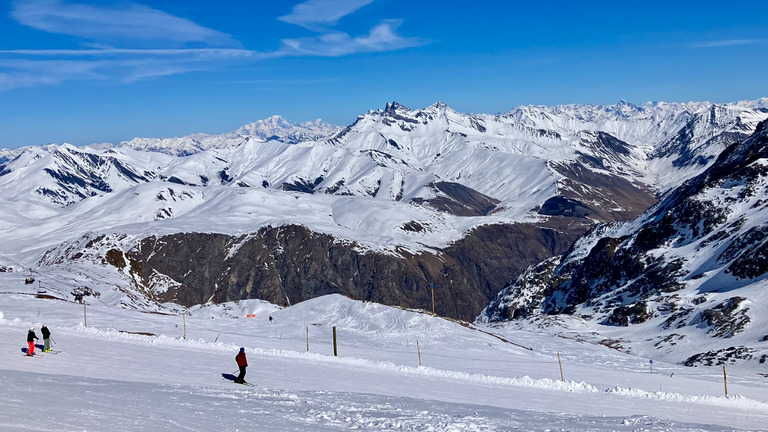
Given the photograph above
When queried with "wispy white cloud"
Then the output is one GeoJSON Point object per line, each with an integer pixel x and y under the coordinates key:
{"type": "Point", "coordinates": [125, 25]}
{"type": "Point", "coordinates": [382, 37]}
{"type": "Point", "coordinates": [126, 33]}
{"type": "Point", "coordinates": [320, 15]}
{"type": "Point", "coordinates": [133, 42]}
{"type": "Point", "coordinates": [731, 42]}
{"type": "Point", "coordinates": [317, 14]}
{"type": "Point", "coordinates": [30, 68]}
{"type": "Point", "coordinates": [211, 52]}
{"type": "Point", "coordinates": [32, 73]}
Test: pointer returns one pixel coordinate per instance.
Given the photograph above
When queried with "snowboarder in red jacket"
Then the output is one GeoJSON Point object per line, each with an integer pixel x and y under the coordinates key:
{"type": "Point", "coordinates": [31, 338]}
{"type": "Point", "coordinates": [242, 363]}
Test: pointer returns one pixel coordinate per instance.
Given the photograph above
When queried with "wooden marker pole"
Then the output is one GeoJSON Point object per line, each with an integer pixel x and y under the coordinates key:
{"type": "Point", "coordinates": [725, 381]}
{"type": "Point", "coordinates": [562, 377]}
{"type": "Point", "coordinates": [184, 319]}
{"type": "Point", "coordinates": [433, 299]}
{"type": "Point", "coordinates": [335, 351]}
{"type": "Point", "coordinates": [307, 327]}
{"type": "Point", "coordinates": [418, 349]}
{"type": "Point", "coordinates": [85, 316]}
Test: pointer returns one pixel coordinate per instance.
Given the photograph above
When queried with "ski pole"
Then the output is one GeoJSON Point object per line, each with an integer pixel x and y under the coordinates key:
{"type": "Point", "coordinates": [53, 341]}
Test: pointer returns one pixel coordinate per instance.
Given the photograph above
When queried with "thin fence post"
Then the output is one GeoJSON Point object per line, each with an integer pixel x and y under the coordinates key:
{"type": "Point", "coordinates": [335, 351]}
{"type": "Point", "coordinates": [184, 319]}
{"type": "Point", "coordinates": [85, 316]}
{"type": "Point", "coordinates": [418, 349]}
{"type": "Point", "coordinates": [562, 377]}
{"type": "Point", "coordinates": [725, 381]}
{"type": "Point", "coordinates": [307, 327]}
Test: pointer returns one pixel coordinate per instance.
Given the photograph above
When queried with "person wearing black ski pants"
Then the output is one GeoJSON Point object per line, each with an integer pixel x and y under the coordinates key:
{"type": "Point", "coordinates": [242, 363]}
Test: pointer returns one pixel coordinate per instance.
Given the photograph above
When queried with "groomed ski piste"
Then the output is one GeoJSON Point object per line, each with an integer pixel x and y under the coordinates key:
{"type": "Point", "coordinates": [123, 369]}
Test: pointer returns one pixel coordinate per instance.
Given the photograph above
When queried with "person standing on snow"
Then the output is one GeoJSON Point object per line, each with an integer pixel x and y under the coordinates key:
{"type": "Point", "coordinates": [242, 363]}
{"type": "Point", "coordinates": [31, 337]}
{"type": "Point", "coordinates": [46, 338]}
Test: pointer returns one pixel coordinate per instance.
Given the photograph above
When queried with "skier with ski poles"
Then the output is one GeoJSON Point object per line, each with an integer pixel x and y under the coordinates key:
{"type": "Point", "coordinates": [31, 338]}
{"type": "Point", "coordinates": [46, 338]}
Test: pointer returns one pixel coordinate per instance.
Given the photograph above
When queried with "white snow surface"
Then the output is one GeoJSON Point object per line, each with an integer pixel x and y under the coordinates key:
{"type": "Point", "coordinates": [119, 368]}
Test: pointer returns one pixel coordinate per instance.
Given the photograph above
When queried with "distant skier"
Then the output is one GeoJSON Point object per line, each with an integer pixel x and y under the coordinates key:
{"type": "Point", "coordinates": [46, 338]}
{"type": "Point", "coordinates": [242, 363]}
{"type": "Point", "coordinates": [31, 338]}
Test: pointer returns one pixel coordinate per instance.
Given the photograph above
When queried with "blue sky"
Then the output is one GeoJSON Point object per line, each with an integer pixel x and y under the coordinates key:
{"type": "Point", "coordinates": [107, 71]}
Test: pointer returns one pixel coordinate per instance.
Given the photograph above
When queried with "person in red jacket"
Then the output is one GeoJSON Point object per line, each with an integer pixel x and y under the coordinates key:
{"type": "Point", "coordinates": [242, 363]}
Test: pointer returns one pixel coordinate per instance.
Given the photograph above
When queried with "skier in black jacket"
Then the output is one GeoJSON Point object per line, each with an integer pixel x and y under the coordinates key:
{"type": "Point", "coordinates": [46, 338]}
{"type": "Point", "coordinates": [31, 337]}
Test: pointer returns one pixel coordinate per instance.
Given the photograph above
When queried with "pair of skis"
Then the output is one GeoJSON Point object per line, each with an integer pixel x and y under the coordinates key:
{"type": "Point", "coordinates": [39, 354]}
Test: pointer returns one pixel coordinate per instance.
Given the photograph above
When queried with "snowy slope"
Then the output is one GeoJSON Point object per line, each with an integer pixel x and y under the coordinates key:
{"type": "Point", "coordinates": [127, 370]}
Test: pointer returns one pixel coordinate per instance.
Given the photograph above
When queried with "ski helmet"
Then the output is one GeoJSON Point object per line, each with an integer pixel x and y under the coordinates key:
{"type": "Point", "coordinates": [242, 349]}
{"type": "Point", "coordinates": [31, 329]}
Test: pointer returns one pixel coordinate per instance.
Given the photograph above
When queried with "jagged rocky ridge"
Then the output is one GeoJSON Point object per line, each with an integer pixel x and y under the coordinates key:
{"type": "Point", "coordinates": [697, 260]}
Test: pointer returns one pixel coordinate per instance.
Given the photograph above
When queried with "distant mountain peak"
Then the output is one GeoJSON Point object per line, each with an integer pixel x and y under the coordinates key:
{"type": "Point", "coordinates": [279, 129]}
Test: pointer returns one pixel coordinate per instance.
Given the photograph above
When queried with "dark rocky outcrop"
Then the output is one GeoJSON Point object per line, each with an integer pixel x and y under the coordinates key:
{"type": "Point", "coordinates": [291, 263]}
{"type": "Point", "coordinates": [459, 200]}
{"type": "Point", "coordinates": [720, 357]}
{"type": "Point", "coordinates": [562, 206]}
{"type": "Point", "coordinates": [725, 319]}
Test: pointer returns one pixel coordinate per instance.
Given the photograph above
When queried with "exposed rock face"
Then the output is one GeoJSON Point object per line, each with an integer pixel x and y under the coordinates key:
{"type": "Point", "coordinates": [725, 319]}
{"type": "Point", "coordinates": [721, 357]}
{"type": "Point", "coordinates": [679, 265]}
{"type": "Point", "coordinates": [289, 264]}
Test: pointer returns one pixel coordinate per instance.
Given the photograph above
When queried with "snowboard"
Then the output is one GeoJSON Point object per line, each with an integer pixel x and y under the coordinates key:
{"type": "Point", "coordinates": [232, 378]}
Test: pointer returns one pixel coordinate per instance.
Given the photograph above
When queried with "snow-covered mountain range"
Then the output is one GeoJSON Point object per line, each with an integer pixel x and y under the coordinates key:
{"type": "Point", "coordinates": [400, 203]}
